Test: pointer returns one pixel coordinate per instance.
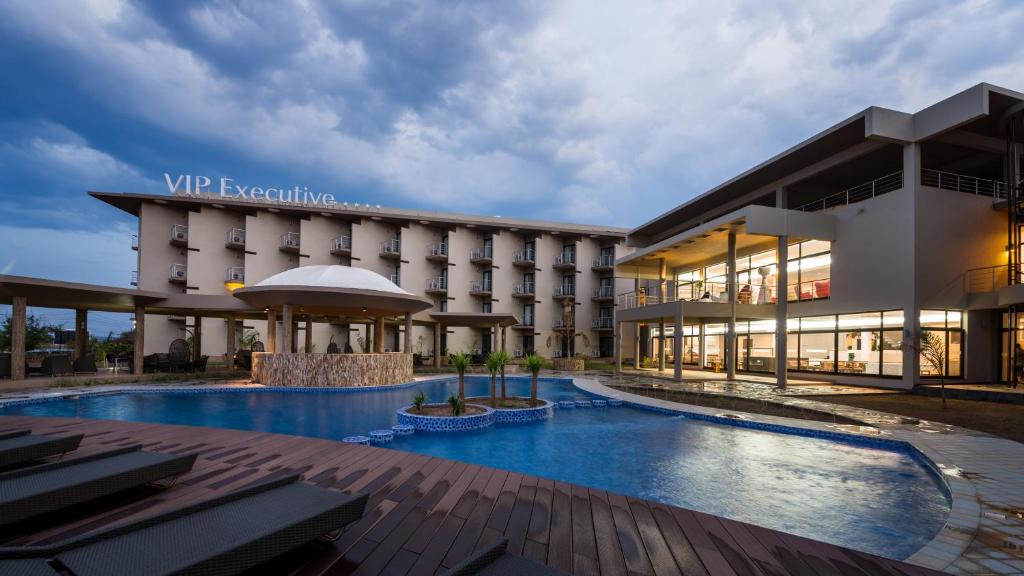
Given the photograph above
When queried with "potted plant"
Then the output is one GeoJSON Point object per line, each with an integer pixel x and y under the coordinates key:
{"type": "Point", "coordinates": [533, 363]}
{"type": "Point", "coordinates": [460, 361]}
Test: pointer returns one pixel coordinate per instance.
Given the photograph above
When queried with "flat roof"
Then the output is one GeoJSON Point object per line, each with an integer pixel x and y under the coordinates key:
{"type": "Point", "coordinates": [131, 201]}
{"type": "Point", "coordinates": [475, 319]}
{"type": "Point", "coordinates": [58, 294]}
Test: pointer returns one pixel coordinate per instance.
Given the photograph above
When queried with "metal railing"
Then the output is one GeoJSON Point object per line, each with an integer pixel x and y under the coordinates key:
{"type": "Point", "coordinates": [562, 323]}
{"type": "Point", "coordinates": [601, 323]}
{"type": "Point", "coordinates": [235, 274]}
{"type": "Point", "coordinates": [135, 242]}
{"type": "Point", "coordinates": [859, 193]}
{"type": "Point", "coordinates": [524, 256]}
{"type": "Point", "coordinates": [481, 253]}
{"type": "Point", "coordinates": [438, 284]}
{"type": "Point", "coordinates": [235, 237]}
{"type": "Point", "coordinates": [392, 247]}
{"type": "Point", "coordinates": [603, 261]}
{"type": "Point", "coordinates": [341, 244]}
{"type": "Point", "coordinates": [564, 260]}
{"type": "Point", "coordinates": [438, 250]}
{"type": "Point", "coordinates": [179, 233]}
{"type": "Point", "coordinates": [290, 240]}
{"type": "Point", "coordinates": [178, 273]}
{"type": "Point", "coordinates": [987, 279]}
{"type": "Point", "coordinates": [564, 291]}
{"type": "Point", "coordinates": [134, 278]}
{"type": "Point", "coordinates": [524, 288]}
{"type": "Point", "coordinates": [604, 292]}
{"type": "Point", "coordinates": [479, 287]}
{"type": "Point", "coordinates": [961, 183]}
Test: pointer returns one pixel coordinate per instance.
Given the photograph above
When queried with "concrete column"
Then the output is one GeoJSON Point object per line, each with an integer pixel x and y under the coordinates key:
{"type": "Point", "coordinates": [229, 343]}
{"type": "Point", "coordinates": [378, 335]}
{"type": "Point", "coordinates": [911, 309]}
{"type": "Point", "coordinates": [503, 340]}
{"type": "Point", "coordinates": [407, 343]}
{"type": "Point", "coordinates": [271, 331]}
{"type": "Point", "coordinates": [197, 339]}
{"type": "Point", "coordinates": [677, 344]}
{"type": "Point", "coordinates": [19, 320]}
{"type": "Point", "coordinates": [138, 353]}
{"type": "Point", "coordinates": [661, 342]}
{"type": "Point", "coordinates": [636, 345]}
{"type": "Point", "coordinates": [494, 339]}
{"type": "Point", "coordinates": [81, 332]}
{"type": "Point", "coordinates": [287, 325]}
{"type": "Point", "coordinates": [730, 334]}
{"type": "Point", "coordinates": [781, 305]}
{"type": "Point", "coordinates": [618, 346]}
{"type": "Point", "coordinates": [437, 344]}
{"type": "Point", "coordinates": [309, 336]}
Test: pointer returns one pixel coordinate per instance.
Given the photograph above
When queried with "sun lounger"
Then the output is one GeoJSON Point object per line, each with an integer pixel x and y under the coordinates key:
{"type": "Point", "coordinates": [496, 561]}
{"type": "Point", "coordinates": [21, 447]}
{"type": "Point", "coordinates": [34, 491]}
{"type": "Point", "coordinates": [225, 535]}
{"type": "Point", "coordinates": [55, 365]}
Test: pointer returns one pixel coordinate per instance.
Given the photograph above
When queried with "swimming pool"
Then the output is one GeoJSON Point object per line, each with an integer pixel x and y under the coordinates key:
{"type": "Point", "coordinates": [877, 500]}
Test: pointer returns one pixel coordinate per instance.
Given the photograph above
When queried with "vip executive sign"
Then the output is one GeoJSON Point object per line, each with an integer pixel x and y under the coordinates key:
{"type": "Point", "coordinates": [227, 188]}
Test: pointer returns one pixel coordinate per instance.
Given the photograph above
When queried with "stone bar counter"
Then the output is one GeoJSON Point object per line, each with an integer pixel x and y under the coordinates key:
{"type": "Point", "coordinates": [331, 370]}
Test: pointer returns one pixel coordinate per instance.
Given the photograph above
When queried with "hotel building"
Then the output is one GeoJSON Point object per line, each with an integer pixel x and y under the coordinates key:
{"type": "Point", "coordinates": [555, 281]}
{"type": "Point", "coordinates": [900, 240]}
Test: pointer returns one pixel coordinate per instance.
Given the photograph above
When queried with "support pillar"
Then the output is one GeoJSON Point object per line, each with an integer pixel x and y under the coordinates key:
{"type": "Point", "coordinates": [229, 343]}
{"type": "Point", "coordinates": [661, 344]}
{"type": "Point", "coordinates": [271, 331]}
{"type": "Point", "coordinates": [378, 335]}
{"type": "Point", "coordinates": [494, 338]}
{"type": "Point", "coordinates": [677, 344]}
{"type": "Point", "coordinates": [618, 346]}
{"type": "Point", "coordinates": [911, 311]}
{"type": "Point", "coordinates": [503, 339]}
{"type": "Point", "coordinates": [287, 325]}
{"type": "Point", "coordinates": [781, 304]}
{"type": "Point", "coordinates": [730, 334]}
{"type": "Point", "coordinates": [197, 339]}
{"type": "Point", "coordinates": [662, 281]}
{"type": "Point", "coordinates": [139, 344]}
{"type": "Point", "coordinates": [19, 306]}
{"type": "Point", "coordinates": [407, 343]}
{"type": "Point", "coordinates": [309, 336]}
{"type": "Point", "coordinates": [636, 346]}
{"type": "Point", "coordinates": [437, 345]}
{"type": "Point", "coordinates": [81, 332]}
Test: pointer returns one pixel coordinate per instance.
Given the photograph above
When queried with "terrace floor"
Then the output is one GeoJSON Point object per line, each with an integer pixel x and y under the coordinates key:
{"type": "Point", "coordinates": [426, 514]}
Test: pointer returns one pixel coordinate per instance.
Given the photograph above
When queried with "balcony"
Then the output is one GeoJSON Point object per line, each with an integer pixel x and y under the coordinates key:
{"type": "Point", "coordinates": [603, 294]}
{"type": "Point", "coordinates": [235, 239]}
{"type": "Point", "coordinates": [178, 274]}
{"type": "Point", "coordinates": [564, 292]}
{"type": "Point", "coordinates": [391, 249]}
{"type": "Point", "coordinates": [602, 323]}
{"type": "Point", "coordinates": [135, 242]}
{"type": "Point", "coordinates": [858, 193]}
{"type": "Point", "coordinates": [562, 324]}
{"type": "Point", "coordinates": [235, 274]}
{"type": "Point", "coordinates": [482, 255]}
{"type": "Point", "coordinates": [961, 183]}
{"type": "Point", "coordinates": [341, 246]}
{"type": "Point", "coordinates": [396, 279]}
{"type": "Point", "coordinates": [564, 262]}
{"type": "Point", "coordinates": [134, 278]}
{"type": "Point", "coordinates": [437, 252]}
{"type": "Point", "coordinates": [480, 288]}
{"type": "Point", "coordinates": [437, 285]}
{"type": "Point", "coordinates": [179, 235]}
{"type": "Point", "coordinates": [523, 290]}
{"type": "Point", "coordinates": [526, 324]}
{"type": "Point", "coordinates": [524, 258]}
{"type": "Point", "coordinates": [289, 242]}
{"type": "Point", "coordinates": [603, 263]}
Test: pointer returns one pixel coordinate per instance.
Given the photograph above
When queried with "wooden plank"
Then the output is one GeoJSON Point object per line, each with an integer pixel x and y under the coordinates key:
{"type": "Point", "coordinates": [519, 518]}
{"type": "Point", "coordinates": [540, 518]}
{"type": "Point", "coordinates": [706, 550]}
{"type": "Point", "coordinates": [610, 555]}
{"type": "Point", "coordinates": [683, 552]}
{"type": "Point", "coordinates": [661, 558]}
{"type": "Point", "coordinates": [474, 526]}
{"type": "Point", "coordinates": [560, 546]}
{"type": "Point", "coordinates": [584, 544]}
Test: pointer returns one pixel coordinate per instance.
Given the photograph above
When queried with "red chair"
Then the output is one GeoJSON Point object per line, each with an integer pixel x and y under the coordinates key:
{"type": "Point", "coordinates": [822, 288]}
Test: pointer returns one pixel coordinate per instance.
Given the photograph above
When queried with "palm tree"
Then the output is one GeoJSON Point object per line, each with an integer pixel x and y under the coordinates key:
{"type": "Point", "coordinates": [533, 363]}
{"type": "Point", "coordinates": [493, 366]}
{"type": "Point", "coordinates": [502, 358]}
{"type": "Point", "coordinates": [460, 361]}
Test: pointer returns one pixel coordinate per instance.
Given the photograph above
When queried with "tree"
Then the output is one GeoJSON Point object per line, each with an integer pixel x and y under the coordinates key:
{"type": "Point", "coordinates": [37, 334]}
{"type": "Point", "coordinates": [933, 350]}
{"type": "Point", "coordinates": [493, 366]}
{"type": "Point", "coordinates": [533, 363]}
{"type": "Point", "coordinates": [502, 358]}
{"type": "Point", "coordinates": [460, 361]}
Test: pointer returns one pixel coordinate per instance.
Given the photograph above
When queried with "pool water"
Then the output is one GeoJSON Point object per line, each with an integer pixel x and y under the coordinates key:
{"type": "Point", "coordinates": [880, 501]}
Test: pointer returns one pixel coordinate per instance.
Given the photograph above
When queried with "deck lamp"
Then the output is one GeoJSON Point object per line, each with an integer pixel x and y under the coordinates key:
{"type": "Point", "coordinates": [233, 285]}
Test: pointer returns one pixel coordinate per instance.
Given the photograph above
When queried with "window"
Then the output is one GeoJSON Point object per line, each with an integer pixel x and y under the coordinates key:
{"type": "Point", "coordinates": [486, 278]}
{"type": "Point", "coordinates": [755, 277]}
{"type": "Point", "coordinates": [485, 307]}
{"type": "Point", "coordinates": [941, 346]}
{"type": "Point", "coordinates": [528, 284]}
{"type": "Point", "coordinates": [527, 314]}
{"type": "Point", "coordinates": [530, 248]}
{"type": "Point", "coordinates": [868, 343]}
{"type": "Point", "coordinates": [810, 270]}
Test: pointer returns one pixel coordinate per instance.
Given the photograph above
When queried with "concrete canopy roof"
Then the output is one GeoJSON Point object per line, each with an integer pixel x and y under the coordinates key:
{"type": "Point", "coordinates": [332, 291]}
{"type": "Point", "coordinates": [57, 294]}
{"type": "Point", "coordinates": [475, 319]}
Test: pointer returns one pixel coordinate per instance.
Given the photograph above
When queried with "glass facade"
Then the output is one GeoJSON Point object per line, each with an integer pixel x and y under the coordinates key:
{"type": "Point", "coordinates": [942, 342]}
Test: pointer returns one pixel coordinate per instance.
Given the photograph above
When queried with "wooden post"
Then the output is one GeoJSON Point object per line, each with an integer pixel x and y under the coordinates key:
{"type": "Point", "coordinates": [81, 332]}
{"type": "Point", "coordinates": [407, 343]}
{"type": "Point", "coordinates": [378, 335]}
{"type": "Point", "coordinates": [197, 339]}
{"type": "Point", "coordinates": [229, 344]}
{"type": "Point", "coordinates": [287, 325]}
{"type": "Point", "coordinates": [140, 340]}
{"type": "Point", "coordinates": [309, 336]}
{"type": "Point", "coordinates": [271, 331]}
{"type": "Point", "coordinates": [503, 340]}
{"type": "Point", "coordinates": [437, 345]}
{"type": "Point", "coordinates": [18, 327]}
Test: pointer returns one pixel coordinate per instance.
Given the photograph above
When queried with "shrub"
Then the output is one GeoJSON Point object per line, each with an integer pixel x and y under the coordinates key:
{"type": "Point", "coordinates": [458, 406]}
{"type": "Point", "coordinates": [418, 400]}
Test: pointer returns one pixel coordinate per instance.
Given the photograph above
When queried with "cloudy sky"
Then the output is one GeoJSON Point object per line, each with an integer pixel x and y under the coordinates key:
{"type": "Point", "coordinates": [600, 112]}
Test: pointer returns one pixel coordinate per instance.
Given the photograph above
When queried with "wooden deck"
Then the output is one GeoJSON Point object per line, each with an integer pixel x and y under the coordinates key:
{"type": "Point", "coordinates": [426, 514]}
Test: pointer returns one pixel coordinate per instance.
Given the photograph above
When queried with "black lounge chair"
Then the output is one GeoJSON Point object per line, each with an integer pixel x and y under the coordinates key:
{"type": "Point", "coordinates": [37, 490]}
{"type": "Point", "coordinates": [84, 365]}
{"type": "Point", "coordinates": [496, 561]}
{"type": "Point", "coordinates": [55, 365]}
{"type": "Point", "coordinates": [21, 447]}
{"type": "Point", "coordinates": [179, 356]}
{"type": "Point", "coordinates": [5, 366]}
{"type": "Point", "coordinates": [222, 536]}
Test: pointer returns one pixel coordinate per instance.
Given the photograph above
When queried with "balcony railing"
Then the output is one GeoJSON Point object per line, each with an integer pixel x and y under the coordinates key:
{"type": "Point", "coordinates": [562, 324]}
{"type": "Point", "coordinates": [859, 193]}
{"type": "Point", "coordinates": [603, 293]}
{"type": "Point", "coordinates": [481, 255]}
{"type": "Point", "coordinates": [966, 184]}
{"type": "Point", "coordinates": [988, 279]}
{"type": "Point", "coordinates": [564, 261]}
{"type": "Point", "coordinates": [603, 262]}
{"type": "Point", "coordinates": [524, 258]}
{"type": "Point", "coordinates": [289, 242]}
{"type": "Point", "coordinates": [179, 235]}
{"type": "Point", "coordinates": [135, 242]}
{"type": "Point", "coordinates": [602, 323]}
{"type": "Point", "coordinates": [523, 289]}
{"type": "Point", "coordinates": [235, 239]}
{"type": "Point", "coordinates": [437, 285]}
{"type": "Point", "coordinates": [391, 248]}
{"type": "Point", "coordinates": [564, 292]}
{"type": "Point", "coordinates": [479, 287]}
{"type": "Point", "coordinates": [341, 245]}
{"type": "Point", "coordinates": [178, 273]}
{"type": "Point", "coordinates": [527, 323]}
{"type": "Point", "coordinates": [438, 251]}
{"type": "Point", "coordinates": [134, 278]}
{"type": "Point", "coordinates": [235, 274]}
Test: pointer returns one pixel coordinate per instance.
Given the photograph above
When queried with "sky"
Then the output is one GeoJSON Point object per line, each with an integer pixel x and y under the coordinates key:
{"type": "Point", "coordinates": [605, 112]}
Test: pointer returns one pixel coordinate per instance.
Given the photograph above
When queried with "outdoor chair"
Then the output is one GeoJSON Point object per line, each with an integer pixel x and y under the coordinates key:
{"type": "Point", "coordinates": [257, 346]}
{"type": "Point", "coordinates": [84, 365]}
{"type": "Point", "coordinates": [55, 365]}
{"type": "Point", "coordinates": [37, 490]}
{"type": "Point", "coordinates": [22, 446]}
{"type": "Point", "coordinates": [333, 348]}
{"type": "Point", "coordinates": [200, 365]}
{"type": "Point", "coordinates": [225, 535]}
{"type": "Point", "coordinates": [495, 560]}
{"type": "Point", "coordinates": [179, 356]}
{"type": "Point", "coordinates": [5, 366]}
